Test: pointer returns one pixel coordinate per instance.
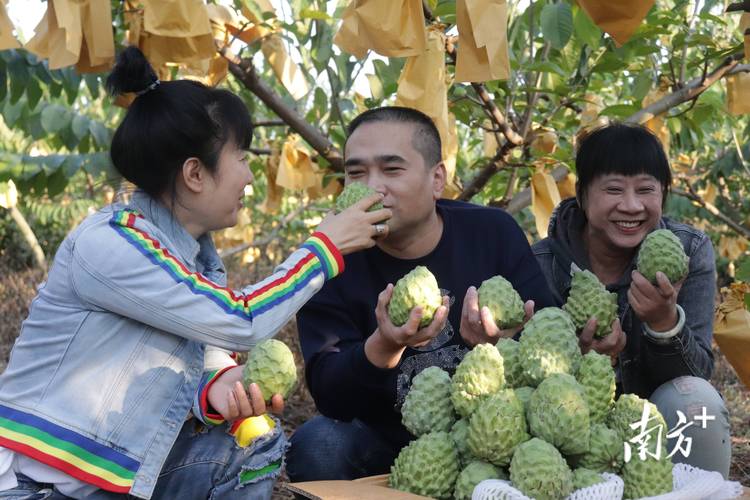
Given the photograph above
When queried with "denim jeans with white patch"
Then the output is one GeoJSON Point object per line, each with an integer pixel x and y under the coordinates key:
{"type": "Point", "coordinates": [204, 463]}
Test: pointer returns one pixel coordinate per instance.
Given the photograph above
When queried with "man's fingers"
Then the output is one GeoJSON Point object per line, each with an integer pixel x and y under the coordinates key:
{"type": "Point", "coordinates": [488, 322]}
{"type": "Point", "coordinates": [471, 306]}
{"type": "Point", "coordinates": [587, 335]}
{"type": "Point", "coordinates": [257, 403]}
{"type": "Point", "coordinates": [383, 298]}
{"type": "Point", "coordinates": [664, 286]}
{"type": "Point", "coordinates": [412, 324]}
{"type": "Point", "coordinates": [528, 309]}
{"type": "Point", "coordinates": [368, 201]}
{"type": "Point", "coordinates": [277, 404]}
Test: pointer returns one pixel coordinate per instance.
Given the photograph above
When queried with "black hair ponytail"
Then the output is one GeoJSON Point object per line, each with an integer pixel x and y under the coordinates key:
{"type": "Point", "coordinates": [132, 73]}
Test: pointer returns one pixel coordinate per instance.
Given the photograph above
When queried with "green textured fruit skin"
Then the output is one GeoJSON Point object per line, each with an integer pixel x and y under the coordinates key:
{"type": "Point", "coordinates": [460, 436]}
{"type": "Point", "coordinates": [497, 427]}
{"type": "Point", "coordinates": [627, 410]}
{"type": "Point", "coordinates": [271, 366]}
{"type": "Point", "coordinates": [479, 374]}
{"type": "Point", "coordinates": [539, 471]}
{"type": "Point", "coordinates": [513, 370]}
{"type": "Point", "coordinates": [597, 378]}
{"type": "Point", "coordinates": [473, 474]}
{"type": "Point", "coordinates": [427, 406]}
{"type": "Point", "coordinates": [606, 451]}
{"type": "Point", "coordinates": [558, 413]}
{"type": "Point", "coordinates": [524, 396]}
{"type": "Point", "coordinates": [354, 192]}
{"type": "Point", "coordinates": [427, 466]}
{"type": "Point", "coordinates": [583, 478]}
{"type": "Point", "coordinates": [589, 298]}
{"type": "Point", "coordinates": [646, 478]}
{"type": "Point", "coordinates": [548, 345]}
{"type": "Point", "coordinates": [662, 251]}
{"type": "Point", "coordinates": [417, 288]}
{"type": "Point", "coordinates": [499, 296]}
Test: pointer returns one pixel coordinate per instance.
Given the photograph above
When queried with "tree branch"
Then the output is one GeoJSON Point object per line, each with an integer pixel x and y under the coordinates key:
{"type": "Point", "coordinates": [713, 210]}
{"type": "Point", "coordinates": [522, 199]}
{"type": "Point", "coordinates": [270, 123]}
{"type": "Point", "coordinates": [690, 91]}
{"type": "Point", "coordinates": [244, 71]}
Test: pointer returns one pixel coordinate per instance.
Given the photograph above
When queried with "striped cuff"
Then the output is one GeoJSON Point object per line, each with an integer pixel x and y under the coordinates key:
{"type": "Point", "coordinates": [206, 413]}
{"type": "Point", "coordinates": [329, 256]}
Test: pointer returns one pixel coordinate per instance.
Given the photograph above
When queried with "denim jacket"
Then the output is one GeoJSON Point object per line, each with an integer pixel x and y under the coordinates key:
{"type": "Point", "coordinates": [645, 363]}
{"type": "Point", "coordinates": [110, 361]}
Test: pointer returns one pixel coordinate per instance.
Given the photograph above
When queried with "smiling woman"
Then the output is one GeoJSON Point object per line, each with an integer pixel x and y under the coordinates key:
{"type": "Point", "coordinates": [661, 340]}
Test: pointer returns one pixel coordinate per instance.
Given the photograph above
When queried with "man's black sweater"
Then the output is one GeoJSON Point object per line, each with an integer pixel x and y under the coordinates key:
{"type": "Point", "coordinates": [477, 243]}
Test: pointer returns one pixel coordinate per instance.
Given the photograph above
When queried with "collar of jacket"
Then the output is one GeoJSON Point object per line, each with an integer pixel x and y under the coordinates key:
{"type": "Point", "coordinates": [198, 254]}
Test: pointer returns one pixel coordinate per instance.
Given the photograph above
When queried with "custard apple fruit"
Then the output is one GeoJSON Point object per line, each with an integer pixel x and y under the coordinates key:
{"type": "Point", "coordinates": [511, 363]}
{"type": "Point", "coordinates": [502, 300]}
{"type": "Point", "coordinates": [497, 427]}
{"type": "Point", "coordinates": [662, 251]}
{"type": "Point", "coordinates": [548, 345]}
{"type": "Point", "coordinates": [472, 475]}
{"type": "Point", "coordinates": [427, 406]}
{"type": "Point", "coordinates": [583, 478]}
{"type": "Point", "coordinates": [524, 396]}
{"type": "Point", "coordinates": [597, 378]}
{"type": "Point", "coordinates": [417, 288]}
{"type": "Point", "coordinates": [558, 413]}
{"type": "Point", "coordinates": [606, 451]}
{"type": "Point", "coordinates": [460, 436]}
{"type": "Point", "coordinates": [646, 478]}
{"type": "Point", "coordinates": [539, 471]}
{"type": "Point", "coordinates": [628, 410]}
{"type": "Point", "coordinates": [589, 298]}
{"type": "Point", "coordinates": [352, 193]}
{"type": "Point", "coordinates": [479, 374]}
{"type": "Point", "coordinates": [427, 466]}
{"type": "Point", "coordinates": [271, 365]}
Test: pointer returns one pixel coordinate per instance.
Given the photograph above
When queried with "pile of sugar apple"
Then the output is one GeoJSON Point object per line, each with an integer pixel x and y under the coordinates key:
{"type": "Point", "coordinates": [534, 411]}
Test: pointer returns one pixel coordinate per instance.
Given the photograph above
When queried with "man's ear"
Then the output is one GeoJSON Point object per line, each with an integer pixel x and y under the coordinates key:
{"type": "Point", "coordinates": [194, 175]}
{"type": "Point", "coordinates": [439, 179]}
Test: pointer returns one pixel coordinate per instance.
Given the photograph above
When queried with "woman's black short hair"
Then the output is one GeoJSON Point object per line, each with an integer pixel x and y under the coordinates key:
{"type": "Point", "coordinates": [620, 148]}
{"type": "Point", "coordinates": [169, 122]}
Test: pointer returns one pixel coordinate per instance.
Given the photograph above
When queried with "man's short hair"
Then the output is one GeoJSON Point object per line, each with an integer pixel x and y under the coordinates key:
{"type": "Point", "coordinates": [426, 138]}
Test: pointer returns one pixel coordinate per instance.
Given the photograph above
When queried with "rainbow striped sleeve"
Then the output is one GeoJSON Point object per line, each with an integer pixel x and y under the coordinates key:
{"type": "Point", "coordinates": [323, 257]}
{"type": "Point", "coordinates": [66, 450]}
{"type": "Point", "coordinates": [201, 408]}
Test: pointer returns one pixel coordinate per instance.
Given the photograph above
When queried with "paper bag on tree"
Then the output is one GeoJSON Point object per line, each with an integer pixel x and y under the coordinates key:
{"type": "Point", "coordinates": [732, 329]}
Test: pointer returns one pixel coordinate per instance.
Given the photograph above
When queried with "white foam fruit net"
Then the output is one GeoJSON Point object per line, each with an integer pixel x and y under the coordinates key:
{"type": "Point", "coordinates": [690, 483]}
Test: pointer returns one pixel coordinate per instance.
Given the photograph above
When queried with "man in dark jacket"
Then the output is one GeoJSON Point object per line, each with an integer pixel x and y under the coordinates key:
{"type": "Point", "coordinates": [358, 365]}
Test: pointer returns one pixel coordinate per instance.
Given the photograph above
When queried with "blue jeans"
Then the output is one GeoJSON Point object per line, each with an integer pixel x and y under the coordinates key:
{"type": "Point", "coordinates": [204, 463]}
{"type": "Point", "coordinates": [327, 449]}
{"type": "Point", "coordinates": [711, 447]}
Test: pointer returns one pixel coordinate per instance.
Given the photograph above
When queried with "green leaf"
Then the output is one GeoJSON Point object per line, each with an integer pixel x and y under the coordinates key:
{"type": "Point", "coordinates": [3, 80]}
{"type": "Point", "coordinates": [546, 67]}
{"type": "Point", "coordinates": [19, 78]}
{"type": "Point", "coordinates": [314, 14]}
{"type": "Point", "coordinates": [619, 110]}
{"type": "Point", "coordinates": [585, 29]}
{"type": "Point", "coordinates": [557, 24]}
{"type": "Point", "coordinates": [642, 84]}
{"type": "Point", "coordinates": [100, 133]}
{"type": "Point", "coordinates": [609, 63]}
{"type": "Point", "coordinates": [56, 183]}
{"type": "Point", "coordinates": [742, 272]}
{"type": "Point", "coordinates": [33, 93]}
{"type": "Point", "coordinates": [55, 118]}
{"type": "Point", "coordinates": [92, 82]}
{"type": "Point", "coordinates": [80, 126]}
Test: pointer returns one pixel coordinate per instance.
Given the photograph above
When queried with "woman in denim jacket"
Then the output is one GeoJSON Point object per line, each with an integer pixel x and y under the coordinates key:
{"type": "Point", "coordinates": [661, 342]}
{"type": "Point", "coordinates": [110, 389]}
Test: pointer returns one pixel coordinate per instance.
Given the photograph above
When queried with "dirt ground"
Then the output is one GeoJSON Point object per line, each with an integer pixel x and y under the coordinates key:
{"type": "Point", "coordinates": [18, 288]}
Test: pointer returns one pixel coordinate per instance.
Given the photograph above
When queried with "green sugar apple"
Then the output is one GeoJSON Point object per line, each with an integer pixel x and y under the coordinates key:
{"type": "Point", "coordinates": [271, 365]}
{"type": "Point", "coordinates": [417, 288]}
{"type": "Point", "coordinates": [460, 436]}
{"type": "Point", "coordinates": [558, 413]}
{"type": "Point", "coordinates": [427, 466]}
{"type": "Point", "coordinates": [427, 406]}
{"type": "Point", "coordinates": [662, 251]}
{"type": "Point", "coordinates": [548, 345]}
{"type": "Point", "coordinates": [352, 193]}
{"type": "Point", "coordinates": [583, 478]}
{"type": "Point", "coordinates": [596, 376]}
{"type": "Point", "coordinates": [511, 363]}
{"type": "Point", "coordinates": [606, 450]}
{"type": "Point", "coordinates": [539, 471]}
{"type": "Point", "coordinates": [589, 298]}
{"type": "Point", "coordinates": [497, 427]}
{"type": "Point", "coordinates": [503, 301]}
{"type": "Point", "coordinates": [647, 478]}
{"type": "Point", "coordinates": [473, 474]}
{"type": "Point", "coordinates": [479, 374]}
{"type": "Point", "coordinates": [627, 410]}
{"type": "Point", "coordinates": [524, 396]}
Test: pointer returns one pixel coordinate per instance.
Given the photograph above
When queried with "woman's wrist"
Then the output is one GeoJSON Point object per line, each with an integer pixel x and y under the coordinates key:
{"type": "Point", "coordinates": [668, 334]}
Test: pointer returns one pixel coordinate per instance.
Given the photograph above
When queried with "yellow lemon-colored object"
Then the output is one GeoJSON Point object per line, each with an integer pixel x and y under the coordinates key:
{"type": "Point", "coordinates": [251, 428]}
